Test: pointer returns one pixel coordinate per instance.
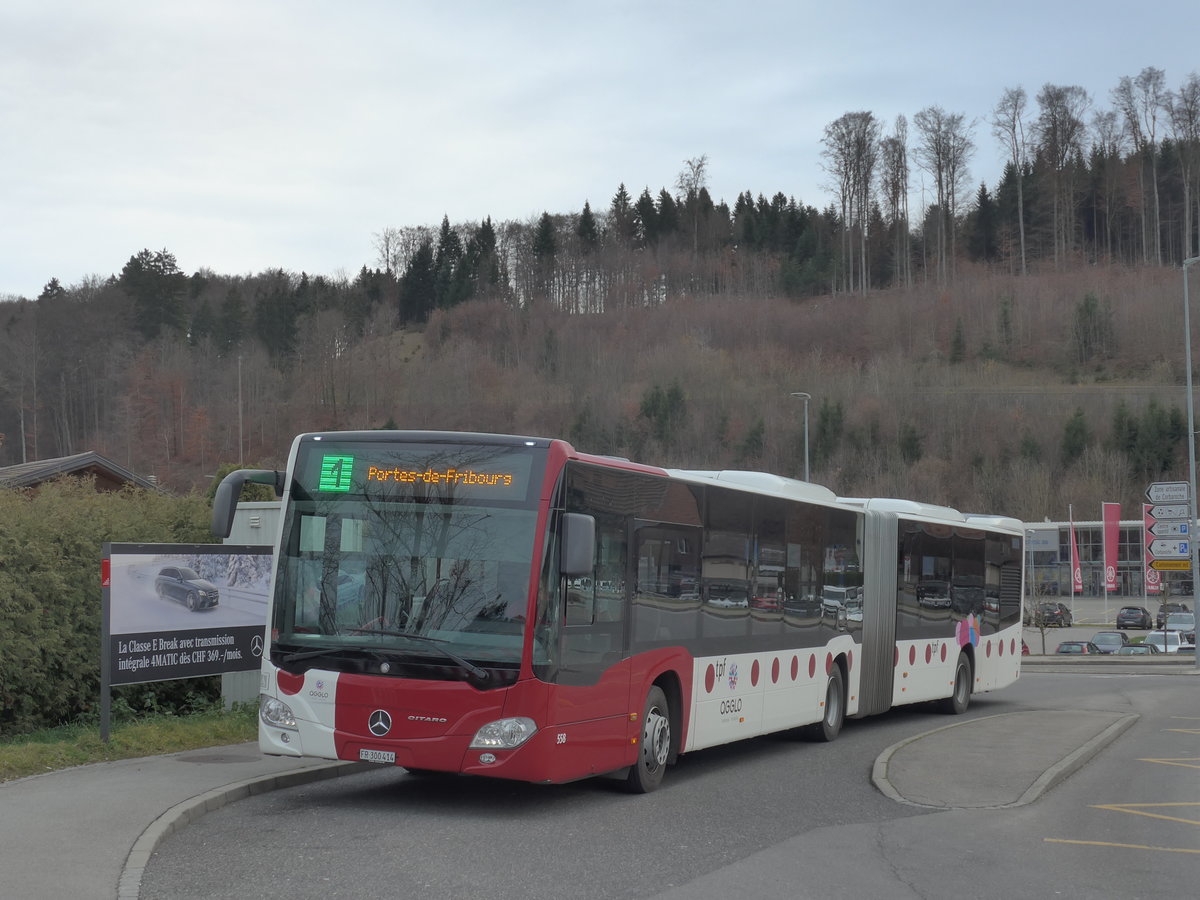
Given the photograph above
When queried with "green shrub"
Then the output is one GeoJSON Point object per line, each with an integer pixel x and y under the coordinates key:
{"type": "Point", "coordinates": [50, 595]}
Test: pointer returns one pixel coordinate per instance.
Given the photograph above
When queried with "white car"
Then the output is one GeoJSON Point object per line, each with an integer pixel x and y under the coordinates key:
{"type": "Point", "coordinates": [1169, 642]}
{"type": "Point", "coordinates": [1184, 623]}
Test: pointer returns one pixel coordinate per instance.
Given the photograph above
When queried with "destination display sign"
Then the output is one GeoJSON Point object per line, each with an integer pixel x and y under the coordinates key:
{"type": "Point", "coordinates": [419, 471]}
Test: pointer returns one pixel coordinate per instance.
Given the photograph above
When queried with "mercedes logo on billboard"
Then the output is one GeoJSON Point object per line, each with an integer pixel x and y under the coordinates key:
{"type": "Point", "coordinates": [380, 723]}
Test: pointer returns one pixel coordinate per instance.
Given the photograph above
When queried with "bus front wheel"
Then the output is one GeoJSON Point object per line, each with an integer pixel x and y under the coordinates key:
{"type": "Point", "coordinates": [654, 747]}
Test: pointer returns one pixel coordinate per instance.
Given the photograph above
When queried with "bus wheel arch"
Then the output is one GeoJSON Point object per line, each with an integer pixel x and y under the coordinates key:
{"type": "Point", "coordinates": [668, 682]}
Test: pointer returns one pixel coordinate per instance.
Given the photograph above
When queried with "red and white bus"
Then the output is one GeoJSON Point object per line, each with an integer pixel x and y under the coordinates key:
{"type": "Point", "coordinates": [507, 606]}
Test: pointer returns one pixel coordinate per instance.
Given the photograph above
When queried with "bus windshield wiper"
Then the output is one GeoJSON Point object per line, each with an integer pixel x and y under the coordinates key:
{"type": "Point", "coordinates": [328, 651]}
{"type": "Point", "coordinates": [478, 672]}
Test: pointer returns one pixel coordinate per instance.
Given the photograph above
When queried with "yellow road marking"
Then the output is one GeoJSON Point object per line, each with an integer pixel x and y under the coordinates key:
{"type": "Point", "coordinates": [1138, 809]}
{"type": "Point", "coordinates": [1190, 763]}
{"type": "Point", "coordinates": [1125, 846]}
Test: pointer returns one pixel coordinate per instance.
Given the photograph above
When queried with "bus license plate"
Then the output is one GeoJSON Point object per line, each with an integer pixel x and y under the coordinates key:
{"type": "Point", "coordinates": [377, 756]}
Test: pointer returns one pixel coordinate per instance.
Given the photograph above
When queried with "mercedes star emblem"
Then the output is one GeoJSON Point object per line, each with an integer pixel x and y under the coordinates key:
{"type": "Point", "coordinates": [380, 723]}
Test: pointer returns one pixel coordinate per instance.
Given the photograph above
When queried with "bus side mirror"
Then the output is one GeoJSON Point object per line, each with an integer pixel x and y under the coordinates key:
{"type": "Point", "coordinates": [578, 549]}
{"type": "Point", "coordinates": [226, 498]}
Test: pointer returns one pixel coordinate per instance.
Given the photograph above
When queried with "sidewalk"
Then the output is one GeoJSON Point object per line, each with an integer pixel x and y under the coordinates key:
{"type": "Point", "coordinates": [996, 761]}
{"type": "Point", "coordinates": [87, 832]}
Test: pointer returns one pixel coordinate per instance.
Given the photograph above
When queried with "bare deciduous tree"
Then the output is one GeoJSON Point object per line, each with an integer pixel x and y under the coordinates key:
{"type": "Point", "coordinates": [1059, 132]}
{"type": "Point", "coordinates": [394, 247]}
{"type": "Point", "coordinates": [1140, 100]}
{"type": "Point", "coordinates": [893, 178]}
{"type": "Point", "coordinates": [1008, 125]}
{"type": "Point", "coordinates": [1108, 149]}
{"type": "Point", "coordinates": [1183, 109]}
{"type": "Point", "coordinates": [943, 149]}
{"type": "Point", "coordinates": [852, 150]}
{"type": "Point", "coordinates": [692, 179]}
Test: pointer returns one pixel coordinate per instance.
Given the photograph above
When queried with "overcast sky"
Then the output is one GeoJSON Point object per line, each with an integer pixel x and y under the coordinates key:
{"type": "Point", "coordinates": [243, 135]}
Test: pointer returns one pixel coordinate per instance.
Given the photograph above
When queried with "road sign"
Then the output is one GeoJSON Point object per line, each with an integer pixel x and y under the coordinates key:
{"type": "Point", "coordinates": [1171, 565]}
{"type": "Point", "coordinates": [1169, 512]}
{"type": "Point", "coordinates": [1169, 492]}
{"type": "Point", "coordinates": [1168, 549]}
{"type": "Point", "coordinates": [1169, 528]}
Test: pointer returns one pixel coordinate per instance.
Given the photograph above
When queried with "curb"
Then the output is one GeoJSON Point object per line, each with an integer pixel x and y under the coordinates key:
{"type": "Point", "coordinates": [1069, 764]}
{"type": "Point", "coordinates": [1075, 761]}
{"type": "Point", "coordinates": [1110, 665]}
{"type": "Point", "coordinates": [130, 884]}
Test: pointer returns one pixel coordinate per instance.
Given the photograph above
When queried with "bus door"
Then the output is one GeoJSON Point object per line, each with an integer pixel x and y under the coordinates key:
{"type": "Point", "coordinates": [592, 673]}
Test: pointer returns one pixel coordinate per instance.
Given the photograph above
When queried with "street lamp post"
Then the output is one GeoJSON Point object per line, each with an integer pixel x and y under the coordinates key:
{"type": "Point", "coordinates": [1187, 339]}
{"type": "Point", "coordinates": [806, 397]}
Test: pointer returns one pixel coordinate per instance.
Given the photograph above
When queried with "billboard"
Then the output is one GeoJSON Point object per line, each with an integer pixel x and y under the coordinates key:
{"type": "Point", "coordinates": [182, 610]}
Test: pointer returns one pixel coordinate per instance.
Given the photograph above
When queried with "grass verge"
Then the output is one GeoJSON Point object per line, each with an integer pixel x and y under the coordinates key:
{"type": "Point", "coordinates": [78, 745]}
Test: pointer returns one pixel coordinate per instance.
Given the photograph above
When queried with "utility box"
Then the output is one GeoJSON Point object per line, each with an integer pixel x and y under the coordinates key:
{"type": "Point", "coordinates": [253, 523]}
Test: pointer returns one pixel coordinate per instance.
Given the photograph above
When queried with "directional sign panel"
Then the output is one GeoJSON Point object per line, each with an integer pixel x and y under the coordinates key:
{"type": "Point", "coordinates": [1169, 492]}
{"type": "Point", "coordinates": [1179, 511]}
{"type": "Point", "coordinates": [1170, 528]}
{"type": "Point", "coordinates": [1170, 565]}
{"type": "Point", "coordinates": [1168, 549]}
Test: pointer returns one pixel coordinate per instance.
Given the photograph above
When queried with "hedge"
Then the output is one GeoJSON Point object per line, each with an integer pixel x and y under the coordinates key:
{"type": "Point", "coordinates": [50, 596]}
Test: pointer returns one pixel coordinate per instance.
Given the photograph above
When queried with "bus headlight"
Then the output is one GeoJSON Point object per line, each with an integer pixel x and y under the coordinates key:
{"type": "Point", "coordinates": [275, 713]}
{"type": "Point", "coordinates": [504, 734]}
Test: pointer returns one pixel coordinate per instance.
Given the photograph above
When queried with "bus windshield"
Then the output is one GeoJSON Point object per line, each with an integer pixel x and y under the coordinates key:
{"type": "Point", "coordinates": [419, 551]}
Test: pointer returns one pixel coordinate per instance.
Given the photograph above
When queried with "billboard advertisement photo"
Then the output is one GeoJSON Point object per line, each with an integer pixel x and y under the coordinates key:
{"type": "Point", "coordinates": [183, 610]}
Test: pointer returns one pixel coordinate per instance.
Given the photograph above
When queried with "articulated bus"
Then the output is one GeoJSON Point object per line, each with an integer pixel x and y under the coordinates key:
{"type": "Point", "coordinates": [509, 607]}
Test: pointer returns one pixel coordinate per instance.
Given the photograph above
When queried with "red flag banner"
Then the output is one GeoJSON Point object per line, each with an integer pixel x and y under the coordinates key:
{"type": "Point", "coordinates": [1153, 577]}
{"type": "Point", "coordinates": [1112, 530]}
{"type": "Point", "coordinates": [1076, 569]}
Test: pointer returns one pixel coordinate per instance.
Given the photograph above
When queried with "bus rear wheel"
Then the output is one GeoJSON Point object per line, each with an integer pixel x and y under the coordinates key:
{"type": "Point", "coordinates": [956, 704]}
{"type": "Point", "coordinates": [835, 711]}
{"type": "Point", "coordinates": [654, 748]}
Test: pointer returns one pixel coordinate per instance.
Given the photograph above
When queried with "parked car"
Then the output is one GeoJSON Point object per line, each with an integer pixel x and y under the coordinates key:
{"type": "Point", "coordinates": [1184, 623]}
{"type": "Point", "coordinates": [837, 602]}
{"type": "Point", "coordinates": [1137, 650]}
{"type": "Point", "coordinates": [1077, 647]}
{"type": "Point", "coordinates": [1166, 609]}
{"type": "Point", "coordinates": [185, 586]}
{"type": "Point", "coordinates": [727, 595]}
{"type": "Point", "coordinates": [1134, 617]}
{"type": "Point", "coordinates": [1109, 641]}
{"type": "Point", "coordinates": [934, 594]}
{"type": "Point", "coordinates": [1169, 642]}
{"type": "Point", "coordinates": [1050, 613]}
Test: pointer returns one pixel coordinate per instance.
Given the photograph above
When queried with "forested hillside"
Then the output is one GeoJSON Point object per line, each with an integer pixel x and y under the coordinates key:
{"type": "Point", "coordinates": [1013, 350]}
{"type": "Point", "coordinates": [999, 392]}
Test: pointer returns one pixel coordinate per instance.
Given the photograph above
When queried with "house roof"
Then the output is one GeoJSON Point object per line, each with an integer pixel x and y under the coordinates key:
{"type": "Point", "coordinates": [109, 476]}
